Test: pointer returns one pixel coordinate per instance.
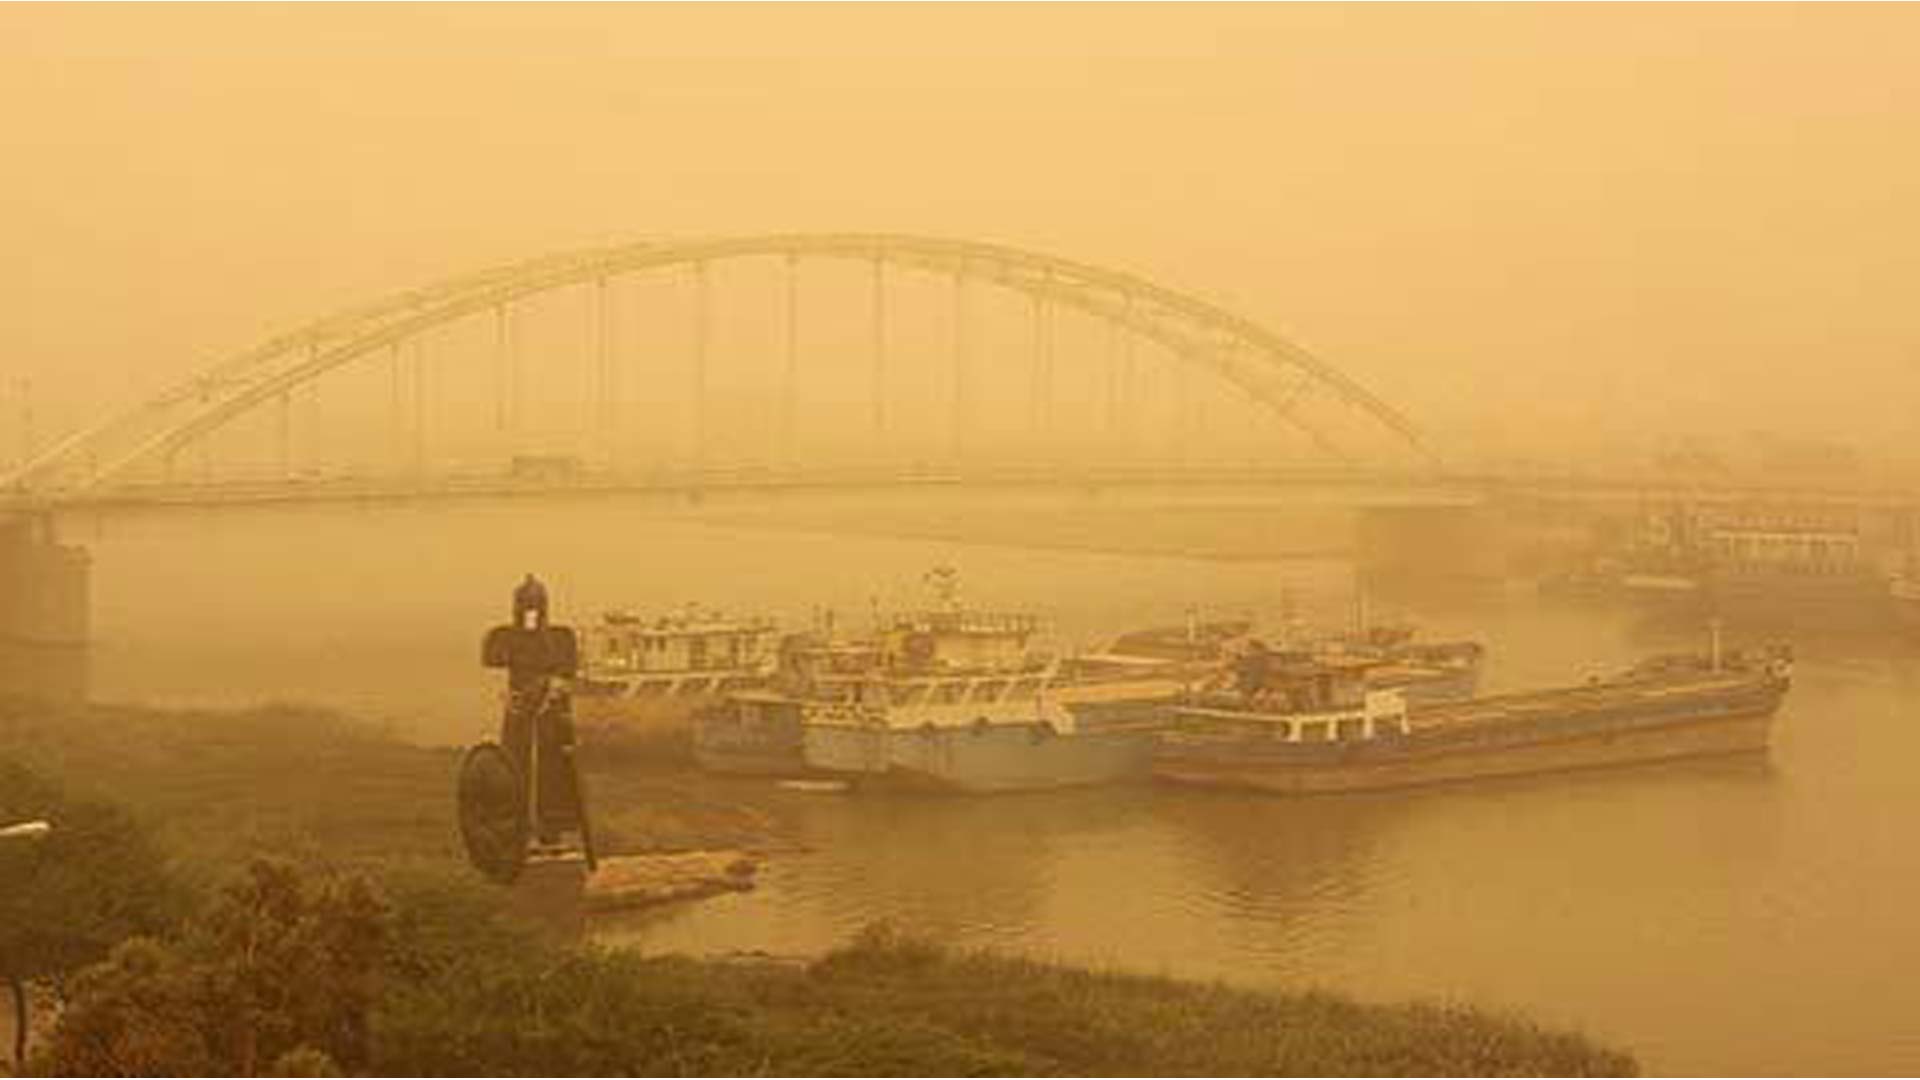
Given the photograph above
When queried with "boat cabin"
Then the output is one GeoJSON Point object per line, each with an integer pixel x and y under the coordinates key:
{"type": "Point", "coordinates": [920, 660]}
{"type": "Point", "coordinates": [1300, 698]}
{"type": "Point", "coordinates": [690, 640]}
{"type": "Point", "coordinates": [1785, 549]}
{"type": "Point", "coordinates": [983, 641]}
{"type": "Point", "coordinates": [811, 658]}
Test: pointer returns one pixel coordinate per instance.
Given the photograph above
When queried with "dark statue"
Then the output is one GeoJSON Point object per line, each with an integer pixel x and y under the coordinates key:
{"type": "Point", "coordinates": [521, 796]}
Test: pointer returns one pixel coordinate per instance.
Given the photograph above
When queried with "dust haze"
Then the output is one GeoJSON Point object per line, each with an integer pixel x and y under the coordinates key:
{"type": "Point", "coordinates": [1418, 502]}
{"type": "Point", "coordinates": [1543, 233]}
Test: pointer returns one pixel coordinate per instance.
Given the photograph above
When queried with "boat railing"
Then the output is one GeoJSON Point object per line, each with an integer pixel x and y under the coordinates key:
{"type": "Point", "coordinates": [969, 622]}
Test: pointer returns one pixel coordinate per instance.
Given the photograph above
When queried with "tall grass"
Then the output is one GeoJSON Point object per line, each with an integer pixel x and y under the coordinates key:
{"type": "Point", "coordinates": [889, 1006]}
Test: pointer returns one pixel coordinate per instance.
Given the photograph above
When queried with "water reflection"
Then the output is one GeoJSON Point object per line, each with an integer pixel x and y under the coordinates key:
{"type": "Point", "coordinates": [962, 870]}
{"type": "Point", "coordinates": [1292, 880]}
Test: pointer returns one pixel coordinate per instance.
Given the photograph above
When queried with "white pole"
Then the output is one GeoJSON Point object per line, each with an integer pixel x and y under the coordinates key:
{"type": "Point", "coordinates": [26, 830]}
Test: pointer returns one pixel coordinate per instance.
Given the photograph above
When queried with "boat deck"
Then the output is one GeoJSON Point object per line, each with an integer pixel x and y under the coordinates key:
{"type": "Point", "coordinates": [1599, 697]}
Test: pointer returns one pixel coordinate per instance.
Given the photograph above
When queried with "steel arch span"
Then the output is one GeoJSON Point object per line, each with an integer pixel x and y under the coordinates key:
{"type": "Point", "coordinates": [1267, 368]}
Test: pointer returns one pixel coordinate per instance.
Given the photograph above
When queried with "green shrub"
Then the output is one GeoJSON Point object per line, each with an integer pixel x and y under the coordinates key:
{"type": "Point", "coordinates": [890, 1005]}
{"type": "Point", "coordinates": [95, 880]}
{"type": "Point", "coordinates": [281, 968]}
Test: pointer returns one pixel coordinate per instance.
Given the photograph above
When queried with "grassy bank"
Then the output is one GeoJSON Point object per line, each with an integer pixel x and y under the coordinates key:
{"type": "Point", "coordinates": [455, 989]}
{"type": "Point", "coordinates": [219, 785]}
{"type": "Point", "coordinates": [886, 1006]}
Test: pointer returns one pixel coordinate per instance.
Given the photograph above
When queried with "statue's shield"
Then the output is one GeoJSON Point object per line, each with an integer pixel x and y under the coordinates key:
{"type": "Point", "coordinates": [493, 812]}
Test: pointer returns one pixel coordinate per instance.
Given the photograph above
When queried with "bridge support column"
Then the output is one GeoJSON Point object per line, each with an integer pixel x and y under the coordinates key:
{"type": "Point", "coordinates": [419, 410]}
{"type": "Point", "coordinates": [960, 405]}
{"type": "Point", "coordinates": [502, 369]}
{"type": "Point", "coordinates": [1040, 403]}
{"type": "Point", "coordinates": [790, 382]}
{"type": "Point", "coordinates": [879, 348]}
{"type": "Point", "coordinates": [1120, 374]}
{"type": "Point", "coordinates": [605, 388]}
{"type": "Point", "coordinates": [1430, 543]}
{"type": "Point", "coordinates": [702, 326]}
{"type": "Point", "coordinates": [45, 613]}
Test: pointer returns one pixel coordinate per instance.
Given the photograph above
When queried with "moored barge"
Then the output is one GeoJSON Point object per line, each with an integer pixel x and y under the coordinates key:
{"type": "Point", "coordinates": [1298, 724]}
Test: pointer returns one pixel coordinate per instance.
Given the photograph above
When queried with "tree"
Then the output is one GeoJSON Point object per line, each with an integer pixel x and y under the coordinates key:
{"type": "Point", "coordinates": [280, 974]}
{"type": "Point", "coordinates": [95, 880]}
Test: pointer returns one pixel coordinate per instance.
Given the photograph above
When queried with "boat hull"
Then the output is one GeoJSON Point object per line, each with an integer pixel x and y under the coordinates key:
{"type": "Point", "coordinates": [978, 759]}
{"type": "Point", "coordinates": [1742, 726]}
{"type": "Point", "coordinates": [762, 740]}
{"type": "Point", "coordinates": [652, 715]}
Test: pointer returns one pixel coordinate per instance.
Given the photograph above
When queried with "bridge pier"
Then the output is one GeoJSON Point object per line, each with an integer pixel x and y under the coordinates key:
{"type": "Point", "coordinates": [45, 610]}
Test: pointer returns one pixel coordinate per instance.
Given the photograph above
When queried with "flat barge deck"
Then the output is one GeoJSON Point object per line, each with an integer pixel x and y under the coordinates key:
{"type": "Point", "coordinates": [1341, 741]}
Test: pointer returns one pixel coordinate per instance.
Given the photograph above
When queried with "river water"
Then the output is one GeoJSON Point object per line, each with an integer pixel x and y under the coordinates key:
{"type": "Point", "coordinates": [1751, 915]}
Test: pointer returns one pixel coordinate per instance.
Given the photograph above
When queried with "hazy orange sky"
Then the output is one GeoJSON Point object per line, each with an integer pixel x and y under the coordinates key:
{"type": "Point", "coordinates": [1541, 227]}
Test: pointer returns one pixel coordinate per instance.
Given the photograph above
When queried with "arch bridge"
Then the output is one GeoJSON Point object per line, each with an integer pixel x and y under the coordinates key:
{"type": "Point", "coordinates": [843, 358]}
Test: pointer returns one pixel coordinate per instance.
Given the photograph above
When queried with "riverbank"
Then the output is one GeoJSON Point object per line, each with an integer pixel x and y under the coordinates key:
{"type": "Point", "coordinates": [219, 785]}
{"type": "Point", "coordinates": [885, 1005]}
{"type": "Point", "coordinates": [217, 788]}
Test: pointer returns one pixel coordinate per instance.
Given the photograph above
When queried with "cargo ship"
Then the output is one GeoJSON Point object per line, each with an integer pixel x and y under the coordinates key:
{"type": "Point", "coordinates": [947, 698]}
{"type": "Point", "coordinates": [643, 678]}
{"type": "Point", "coordinates": [1304, 724]}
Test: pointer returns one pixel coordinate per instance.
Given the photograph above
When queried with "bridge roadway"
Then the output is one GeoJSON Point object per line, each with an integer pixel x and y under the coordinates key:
{"type": "Point", "coordinates": [1597, 492]}
{"type": "Point", "coordinates": [1353, 486]}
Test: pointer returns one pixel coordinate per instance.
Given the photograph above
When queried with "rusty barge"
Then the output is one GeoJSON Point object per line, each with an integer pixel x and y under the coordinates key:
{"type": "Point", "coordinates": [1304, 725]}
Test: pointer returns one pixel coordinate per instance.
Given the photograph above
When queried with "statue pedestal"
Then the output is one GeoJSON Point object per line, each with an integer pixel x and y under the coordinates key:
{"type": "Point", "coordinates": [548, 893]}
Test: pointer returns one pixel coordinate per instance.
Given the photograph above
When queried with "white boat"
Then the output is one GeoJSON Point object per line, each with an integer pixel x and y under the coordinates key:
{"type": "Point", "coordinates": [643, 677]}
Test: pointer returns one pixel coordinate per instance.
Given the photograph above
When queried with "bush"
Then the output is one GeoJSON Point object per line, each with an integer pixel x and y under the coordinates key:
{"type": "Point", "coordinates": [92, 882]}
{"type": "Point", "coordinates": [280, 971]}
{"type": "Point", "coordinates": [890, 1005]}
